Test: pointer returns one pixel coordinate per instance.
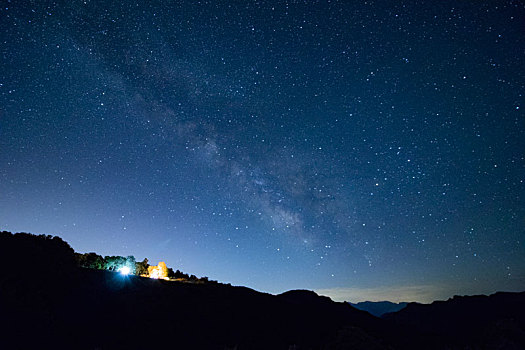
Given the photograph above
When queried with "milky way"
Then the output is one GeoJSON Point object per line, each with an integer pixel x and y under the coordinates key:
{"type": "Point", "coordinates": [366, 150]}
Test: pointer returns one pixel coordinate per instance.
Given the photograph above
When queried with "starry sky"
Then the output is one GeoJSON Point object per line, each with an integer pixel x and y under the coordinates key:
{"type": "Point", "coordinates": [367, 150]}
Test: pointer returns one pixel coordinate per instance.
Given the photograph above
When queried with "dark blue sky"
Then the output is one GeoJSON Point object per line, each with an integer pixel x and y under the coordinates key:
{"type": "Point", "coordinates": [366, 150]}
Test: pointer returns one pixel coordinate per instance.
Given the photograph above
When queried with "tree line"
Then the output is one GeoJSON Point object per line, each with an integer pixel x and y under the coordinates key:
{"type": "Point", "coordinates": [139, 268]}
{"type": "Point", "coordinates": [36, 254]}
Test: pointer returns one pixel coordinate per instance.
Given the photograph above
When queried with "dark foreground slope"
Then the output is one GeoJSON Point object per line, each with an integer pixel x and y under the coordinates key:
{"type": "Point", "coordinates": [46, 302]}
{"type": "Point", "coordinates": [104, 310]}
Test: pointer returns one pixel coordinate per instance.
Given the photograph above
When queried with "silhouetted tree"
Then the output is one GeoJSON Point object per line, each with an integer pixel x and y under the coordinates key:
{"type": "Point", "coordinates": [132, 264]}
{"type": "Point", "coordinates": [90, 260]}
{"type": "Point", "coordinates": [179, 275]}
{"type": "Point", "coordinates": [113, 263]}
{"type": "Point", "coordinates": [141, 268]}
{"type": "Point", "coordinates": [35, 255]}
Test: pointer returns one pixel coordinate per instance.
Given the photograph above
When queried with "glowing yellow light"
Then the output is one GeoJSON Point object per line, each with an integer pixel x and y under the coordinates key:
{"type": "Point", "coordinates": [158, 272]}
{"type": "Point", "coordinates": [154, 274]}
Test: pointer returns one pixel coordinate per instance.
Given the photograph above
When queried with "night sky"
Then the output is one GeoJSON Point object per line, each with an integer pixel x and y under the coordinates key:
{"type": "Point", "coordinates": [367, 150]}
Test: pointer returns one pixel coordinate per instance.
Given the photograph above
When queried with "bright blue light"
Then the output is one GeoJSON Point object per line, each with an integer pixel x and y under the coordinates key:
{"type": "Point", "coordinates": [124, 270]}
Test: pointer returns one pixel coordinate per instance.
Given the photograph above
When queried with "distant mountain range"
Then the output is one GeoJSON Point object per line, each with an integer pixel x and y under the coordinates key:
{"type": "Point", "coordinates": [379, 308]}
{"type": "Point", "coordinates": [488, 322]}
{"type": "Point", "coordinates": [47, 301]}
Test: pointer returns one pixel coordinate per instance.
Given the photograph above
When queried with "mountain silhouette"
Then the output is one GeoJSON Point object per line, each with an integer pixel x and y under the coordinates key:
{"type": "Point", "coordinates": [47, 302]}
{"type": "Point", "coordinates": [379, 308]}
{"type": "Point", "coordinates": [488, 322]}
